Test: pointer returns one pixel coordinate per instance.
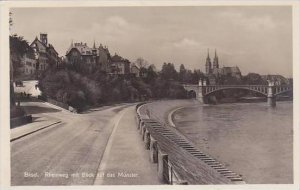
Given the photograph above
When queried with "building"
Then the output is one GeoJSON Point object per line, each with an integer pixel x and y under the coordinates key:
{"type": "Point", "coordinates": [80, 53]}
{"type": "Point", "coordinates": [29, 64]}
{"type": "Point", "coordinates": [119, 65]}
{"type": "Point", "coordinates": [53, 58]}
{"type": "Point", "coordinates": [103, 58]}
{"type": "Point", "coordinates": [45, 54]}
{"type": "Point", "coordinates": [214, 73]}
{"type": "Point", "coordinates": [135, 70]}
{"type": "Point", "coordinates": [86, 58]}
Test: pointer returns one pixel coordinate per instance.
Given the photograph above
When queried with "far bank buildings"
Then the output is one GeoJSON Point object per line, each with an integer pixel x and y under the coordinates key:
{"type": "Point", "coordinates": [45, 55]}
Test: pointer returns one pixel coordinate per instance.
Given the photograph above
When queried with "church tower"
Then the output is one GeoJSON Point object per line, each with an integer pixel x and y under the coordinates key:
{"type": "Point", "coordinates": [216, 61]}
{"type": "Point", "coordinates": [94, 50]}
{"type": "Point", "coordinates": [44, 39]}
{"type": "Point", "coordinates": [208, 64]}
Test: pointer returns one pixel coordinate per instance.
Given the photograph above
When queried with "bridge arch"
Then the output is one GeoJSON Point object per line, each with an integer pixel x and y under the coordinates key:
{"type": "Point", "coordinates": [192, 94]}
{"type": "Point", "coordinates": [270, 91]}
{"type": "Point", "coordinates": [264, 93]}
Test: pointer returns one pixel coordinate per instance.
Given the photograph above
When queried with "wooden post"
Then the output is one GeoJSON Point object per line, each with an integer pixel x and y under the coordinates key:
{"type": "Point", "coordinates": [143, 132]}
{"type": "Point", "coordinates": [141, 127]}
{"type": "Point", "coordinates": [163, 168]}
{"type": "Point", "coordinates": [153, 150]}
{"type": "Point", "coordinates": [147, 139]}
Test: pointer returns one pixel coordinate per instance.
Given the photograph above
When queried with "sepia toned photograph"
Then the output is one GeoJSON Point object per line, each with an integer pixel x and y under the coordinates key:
{"type": "Point", "coordinates": [151, 95]}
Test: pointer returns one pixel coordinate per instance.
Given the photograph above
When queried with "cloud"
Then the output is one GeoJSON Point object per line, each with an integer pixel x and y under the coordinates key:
{"type": "Point", "coordinates": [117, 28]}
{"type": "Point", "coordinates": [185, 43]}
{"type": "Point", "coordinates": [251, 23]}
{"type": "Point", "coordinates": [117, 22]}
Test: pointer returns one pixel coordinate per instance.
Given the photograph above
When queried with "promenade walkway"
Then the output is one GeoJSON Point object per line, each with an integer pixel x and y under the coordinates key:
{"type": "Point", "coordinates": [42, 113]}
{"type": "Point", "coordinates": [125, 160]}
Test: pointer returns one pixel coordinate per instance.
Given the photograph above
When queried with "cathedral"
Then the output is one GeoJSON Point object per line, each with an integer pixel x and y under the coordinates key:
{"type": "Point", "coordinates": [214, 73]}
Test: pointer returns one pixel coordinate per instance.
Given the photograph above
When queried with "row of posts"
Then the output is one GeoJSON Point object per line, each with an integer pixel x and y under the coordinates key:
{"type": "Point", "coordinates": [164, 167]}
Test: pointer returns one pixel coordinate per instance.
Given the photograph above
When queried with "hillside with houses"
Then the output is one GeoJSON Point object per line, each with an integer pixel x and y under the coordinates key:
{"type": "Point", "coordinates": [88, 76]}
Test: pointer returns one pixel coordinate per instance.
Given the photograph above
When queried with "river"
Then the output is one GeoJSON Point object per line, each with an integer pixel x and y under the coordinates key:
{"type": "Point", "coordinates": [252, 139]}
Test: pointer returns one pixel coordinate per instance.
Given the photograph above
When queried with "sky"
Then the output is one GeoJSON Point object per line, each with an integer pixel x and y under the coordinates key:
{"type": "Point", "coordinates": [255, 38]}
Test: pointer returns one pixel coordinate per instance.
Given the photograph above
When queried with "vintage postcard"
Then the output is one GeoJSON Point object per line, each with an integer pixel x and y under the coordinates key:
{"type": "Point", "coordinates": [150, 93]}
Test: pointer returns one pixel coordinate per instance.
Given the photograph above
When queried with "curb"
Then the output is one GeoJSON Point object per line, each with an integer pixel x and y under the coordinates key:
{"type": "Point", "coordinates": [170, 118]}
{"type": "Point", "coordinates": [24, 135]}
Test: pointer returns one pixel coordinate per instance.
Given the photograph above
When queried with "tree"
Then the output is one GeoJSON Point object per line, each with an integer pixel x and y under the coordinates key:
{"type": "Point", "coordinates": [18, 48]}
{"type": "Point", "coordinates": [141, 63]}
{"type": "Point", "coordinates": [253, 78]}
{"type": "Point", "coordinates": [168, 72]}
{"type": "Point", "coordinates": [182, 73]}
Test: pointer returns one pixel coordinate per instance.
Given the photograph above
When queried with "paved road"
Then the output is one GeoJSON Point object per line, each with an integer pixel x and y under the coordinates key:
{"type": "Point", "coordinates": [75, 146]}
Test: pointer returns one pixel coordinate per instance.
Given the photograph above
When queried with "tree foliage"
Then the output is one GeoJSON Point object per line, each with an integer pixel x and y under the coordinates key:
{"type": "Point", "coordinates": [253, 78]}
{"type": "Point", "coordinates": [93, 88]}
{"type": "Point", "coordinates": [18, 48]}
{"type": "Point", "coordinates": [141, 63]}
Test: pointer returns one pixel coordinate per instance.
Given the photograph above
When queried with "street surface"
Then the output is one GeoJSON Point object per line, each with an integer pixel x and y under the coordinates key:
{"type": "Point", "coordinates": [70, 152]}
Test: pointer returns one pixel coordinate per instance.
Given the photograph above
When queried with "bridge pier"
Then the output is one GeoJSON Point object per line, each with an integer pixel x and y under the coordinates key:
{"type": "Point", "coordinates": [272, 101]}
{"type": "Point", "coordinates": [201, 90]}
{"type": "Point", "coordinates": [201, 98]}
{"type": "Point", "coordinates": [271, 94]}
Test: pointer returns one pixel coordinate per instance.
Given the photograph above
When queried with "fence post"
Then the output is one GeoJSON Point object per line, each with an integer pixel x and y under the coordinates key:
{"type": "Point", "coordinates": [141, 126]}
{"type": "Point", "coordinates": [138, 122]}
{"type": "Point", "coordinates": [143, 132]}
{"type": "Point", "coordinates": [163, 168]}
{"type": "Point", "coordinates": [147, 140]}
{"type": "Point", "coordinates": [153, 150]}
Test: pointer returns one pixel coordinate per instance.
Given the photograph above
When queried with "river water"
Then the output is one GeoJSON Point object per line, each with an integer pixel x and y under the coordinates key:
{"type": "Point", "coordinates": [252, 139]}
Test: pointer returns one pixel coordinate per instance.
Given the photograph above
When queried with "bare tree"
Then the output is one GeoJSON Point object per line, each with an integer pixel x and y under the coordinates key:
{"type": "Point", "coordinates": [141, 63]}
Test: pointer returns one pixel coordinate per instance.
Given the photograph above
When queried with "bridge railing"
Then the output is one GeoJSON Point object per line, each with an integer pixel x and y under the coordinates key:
{"type": "Point", "coordinates": [243, 85]}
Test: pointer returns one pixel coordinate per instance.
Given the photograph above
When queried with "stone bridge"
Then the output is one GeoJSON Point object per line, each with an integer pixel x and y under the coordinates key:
{"type": "Point", "coordinates": [270, 91]}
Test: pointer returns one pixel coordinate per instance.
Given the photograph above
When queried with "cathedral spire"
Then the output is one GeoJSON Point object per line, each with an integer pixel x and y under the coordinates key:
{"type": "Point", "coordinates": [208, 63]}
{"type": "Point", "coordinates": [216, 60]}
{"type": "Point", "coordinates": [94, 46]}
{"type": "Point", "coordinates": [208, 53]}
